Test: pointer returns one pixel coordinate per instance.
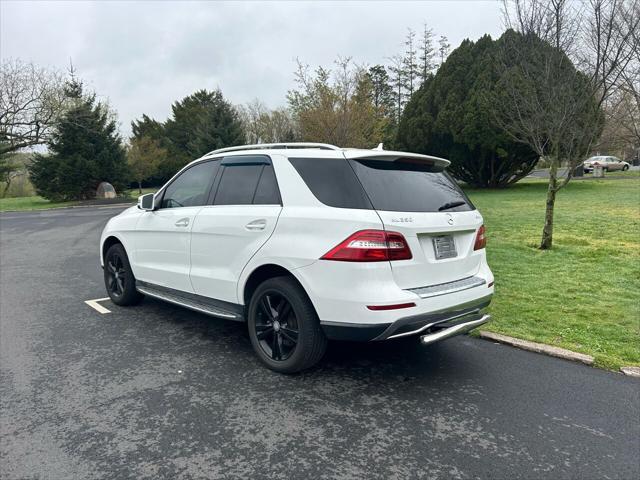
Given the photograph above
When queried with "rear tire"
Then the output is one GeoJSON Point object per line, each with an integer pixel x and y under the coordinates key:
{"type": "Point", "coordinates": [118, 277]}
{"type": "Point", "coordinates": [283, 326]}
{"type": "Point", "coordinates": [625, 168]}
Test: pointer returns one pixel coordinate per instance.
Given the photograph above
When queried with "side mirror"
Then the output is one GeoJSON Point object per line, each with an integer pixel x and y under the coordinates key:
{"type": "Point", "coordinates": [147, 202]}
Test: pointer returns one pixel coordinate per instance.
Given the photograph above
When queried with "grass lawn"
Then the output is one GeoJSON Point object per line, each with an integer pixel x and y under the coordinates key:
{"type": "Point", "coordinates": [584, 294]}
{"type": "Point", "coordinates": [39, 203]}
{"type": "Point", "coordinates": [30, 203]}
{"type": "Point", "coordinates": [134, 192]}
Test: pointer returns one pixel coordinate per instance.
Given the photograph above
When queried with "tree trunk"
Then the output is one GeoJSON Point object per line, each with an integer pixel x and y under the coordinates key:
{"type": "Point", "coordinates": [140, 188]}
{"type": "Point", "coordinates": [547, 232]}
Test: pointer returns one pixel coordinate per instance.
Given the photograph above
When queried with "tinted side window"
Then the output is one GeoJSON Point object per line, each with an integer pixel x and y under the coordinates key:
{"type": "Point", "coordinates": [332, 181]}
{"type": "Point", "coordinates": [267, 192]}
{"type": "Point", "coordinates": [406, 187]}
{"type": "Point", "coordinates": [238, 184]}
{"type": "Point", "coordinates": [191, 187]}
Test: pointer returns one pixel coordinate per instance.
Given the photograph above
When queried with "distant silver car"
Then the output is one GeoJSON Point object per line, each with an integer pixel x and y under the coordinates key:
{"type": "Point", "coordinates": [609, 164]}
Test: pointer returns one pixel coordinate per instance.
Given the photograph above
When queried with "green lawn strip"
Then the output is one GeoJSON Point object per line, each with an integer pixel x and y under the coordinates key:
{"type": "Point", "coordinates": [134, 192]}
{"type": "Point", "coordinates": [30, 203]}
{"type": "Point", "coordinates": [39, 203]}
{"type": "Point", "coordinates": [584, 294]}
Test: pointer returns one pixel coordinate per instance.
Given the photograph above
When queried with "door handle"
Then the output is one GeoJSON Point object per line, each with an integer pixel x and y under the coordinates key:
{"type": "Point", "coordinates": [256, 225]}
{"type": "Point", "coordinates": [183, 222]}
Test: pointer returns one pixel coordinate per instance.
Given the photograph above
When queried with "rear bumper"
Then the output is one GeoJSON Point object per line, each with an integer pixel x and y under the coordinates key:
{"type": "Point", "coordinates": [434, 326]}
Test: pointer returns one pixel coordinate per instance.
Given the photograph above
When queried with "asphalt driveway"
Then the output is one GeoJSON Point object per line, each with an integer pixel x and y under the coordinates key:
{"type": "Point", "coordinates": [155, 391]}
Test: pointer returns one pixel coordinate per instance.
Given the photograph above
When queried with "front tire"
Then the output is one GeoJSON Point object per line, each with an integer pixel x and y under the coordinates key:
{"type": "Point", "coordinates": [283, 326]}
{"type": "Point", "coordinates": [118, 277]}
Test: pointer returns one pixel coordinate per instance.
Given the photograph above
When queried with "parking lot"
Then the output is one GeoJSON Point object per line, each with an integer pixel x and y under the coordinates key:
{"type": "Point", "coordinates": [158, 391]}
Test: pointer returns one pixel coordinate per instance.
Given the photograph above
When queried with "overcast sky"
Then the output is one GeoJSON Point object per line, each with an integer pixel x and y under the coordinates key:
{"type": "Point", "coordinates": [142, 56]}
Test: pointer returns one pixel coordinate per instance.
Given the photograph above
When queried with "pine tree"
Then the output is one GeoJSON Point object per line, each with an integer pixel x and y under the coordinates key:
{"type": "Point", "coordinates": [453, 115]}
{"type": "Point", "coordinates": [85, 149]}
{"type": "Point", "coordinates": [444, 47]}
{"type": "Point", "coordinates": [427, 53]}
{"type": "Point", "coordinates": [409, 63]}
{"type": "Point", "coordinates": [382, 98]}
{"type": "Point", "coordinates": [397, 83]}
{"type": "Point", "coordinates": [200, 122]}
{"type": "Point", "coordinates": [381, 89]}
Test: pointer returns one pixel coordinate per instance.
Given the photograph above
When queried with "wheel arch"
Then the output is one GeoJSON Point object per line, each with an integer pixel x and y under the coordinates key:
{"type": "Point", "coordinates": [107, 243]}
{"type": "Point", "coordinates": [261, 273]}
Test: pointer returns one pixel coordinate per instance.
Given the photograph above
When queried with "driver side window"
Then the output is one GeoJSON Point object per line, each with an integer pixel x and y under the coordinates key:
{"type": "Point", "coordinates": [191, 188]}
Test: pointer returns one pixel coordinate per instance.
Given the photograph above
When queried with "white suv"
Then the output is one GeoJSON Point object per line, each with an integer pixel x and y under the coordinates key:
{"type": "Point", "coordinates": [305, 242]}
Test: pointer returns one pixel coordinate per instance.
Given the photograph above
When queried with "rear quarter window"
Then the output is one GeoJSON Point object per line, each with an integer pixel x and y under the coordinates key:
{"type": "Point", "coordinates": [332, 181]}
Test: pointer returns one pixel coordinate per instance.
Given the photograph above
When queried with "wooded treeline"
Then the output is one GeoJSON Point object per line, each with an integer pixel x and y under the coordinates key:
{"type": "Point", "coordinates": [561, 82]}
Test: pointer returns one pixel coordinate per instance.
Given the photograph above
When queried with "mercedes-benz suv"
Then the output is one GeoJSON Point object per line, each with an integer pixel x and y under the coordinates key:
{"type": "Point", "coordinates": [307, 242]}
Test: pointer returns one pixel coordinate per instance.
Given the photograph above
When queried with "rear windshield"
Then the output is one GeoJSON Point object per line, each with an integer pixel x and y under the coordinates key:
{"type": "Point", "coordinates": [409, 187]}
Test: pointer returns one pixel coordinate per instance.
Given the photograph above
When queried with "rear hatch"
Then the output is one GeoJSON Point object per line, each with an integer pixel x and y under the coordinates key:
{"type": "Point", "coordinates": [414, 196]}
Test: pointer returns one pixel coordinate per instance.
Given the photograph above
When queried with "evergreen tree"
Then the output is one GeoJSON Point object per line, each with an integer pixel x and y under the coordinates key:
{"type": "Point", "coordinates": [149, 128]}
{"type": "Point", "coordinates": [427, 54]}
{"type": "Point", "coordinates": [409, 64]}
{"type": "Point", "coordinates": [84, 150]}
{"type": "Point", "coordinates": [397, 84]}
{"type": "Point", "coordinates": [199, 123]}
{"type": "Point", "coordinates": [443, 49]}
{"type": "Point", "coordinates": [453, 116]}
{"type": "Point", "coordinates": [382, 98]}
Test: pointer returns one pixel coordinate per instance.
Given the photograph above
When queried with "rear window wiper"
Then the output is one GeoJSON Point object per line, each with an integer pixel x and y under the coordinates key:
{"type": "Point", "coordinates": [449, 205]}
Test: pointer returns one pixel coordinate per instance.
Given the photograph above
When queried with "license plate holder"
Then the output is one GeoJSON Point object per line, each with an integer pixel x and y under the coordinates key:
{"type": "Point", "coordinates": [444, 247]}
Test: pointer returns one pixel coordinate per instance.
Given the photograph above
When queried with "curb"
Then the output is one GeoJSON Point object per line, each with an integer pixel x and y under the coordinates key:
{"type": "Point", "coordinates": [631, 371]}
{"type": "Point", "coordinates": [538, 347]}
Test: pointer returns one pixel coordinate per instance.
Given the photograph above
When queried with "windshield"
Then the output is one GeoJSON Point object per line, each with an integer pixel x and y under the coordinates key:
{"type": "Point", "coordinates": [409, 187]}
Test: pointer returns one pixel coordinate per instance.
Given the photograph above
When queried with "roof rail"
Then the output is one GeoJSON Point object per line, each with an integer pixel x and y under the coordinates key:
{"type": "Point", "coordinates": [268, 146]}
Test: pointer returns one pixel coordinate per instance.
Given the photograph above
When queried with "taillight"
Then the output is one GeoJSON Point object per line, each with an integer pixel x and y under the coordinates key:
{"type": "Point", "coordinates": [370, 246]}
{"type": "Point", "coordinates": [481, 239]}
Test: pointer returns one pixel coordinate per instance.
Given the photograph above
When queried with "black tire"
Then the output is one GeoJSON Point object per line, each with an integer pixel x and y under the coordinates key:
{"type": "Point", "coordinates": [625, 168]}
{"type": "Point", "coordinates": [272, 333]}
{"type": "Point", "coordinates": [118, 277]}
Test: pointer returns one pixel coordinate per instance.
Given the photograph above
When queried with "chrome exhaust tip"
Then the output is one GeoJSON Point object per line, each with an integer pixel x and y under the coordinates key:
{"type": "Point", "coordinates": [458, 329]}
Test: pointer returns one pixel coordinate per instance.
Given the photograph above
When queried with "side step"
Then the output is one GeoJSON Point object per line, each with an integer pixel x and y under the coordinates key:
{"type": "Point", "coordinates": [193, 302]}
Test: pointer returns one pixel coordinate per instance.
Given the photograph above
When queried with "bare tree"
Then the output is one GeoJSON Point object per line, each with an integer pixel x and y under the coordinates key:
{"type": "Point", "coordinates": [551, 105]}
{"type": "Point", "coordinates": [30, 99]}
{"type": "Point", "coordinates": [262, 125]}
{"type": "Point", "coordinates": [336, 106]}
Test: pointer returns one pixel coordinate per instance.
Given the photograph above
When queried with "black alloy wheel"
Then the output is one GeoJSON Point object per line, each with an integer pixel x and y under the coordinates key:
{"type": "Point", "coordinates": [283, 326]}
{"type": "Point", "coordinates": [116, 275]}
{"type": "Point", "coordinates": [276, 326]}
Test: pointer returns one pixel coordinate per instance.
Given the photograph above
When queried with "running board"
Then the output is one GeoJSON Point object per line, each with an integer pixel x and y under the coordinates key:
{"type": "Point", "coordinates": [191, 301]}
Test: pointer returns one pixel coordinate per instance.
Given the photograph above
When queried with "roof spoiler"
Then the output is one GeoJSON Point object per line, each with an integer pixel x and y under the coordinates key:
{"type": "Point", "coordinates": [392, 156]}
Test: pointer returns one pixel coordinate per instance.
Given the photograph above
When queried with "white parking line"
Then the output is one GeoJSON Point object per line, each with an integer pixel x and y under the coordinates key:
{"type": "Point", "coordinates": [96, 306]}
